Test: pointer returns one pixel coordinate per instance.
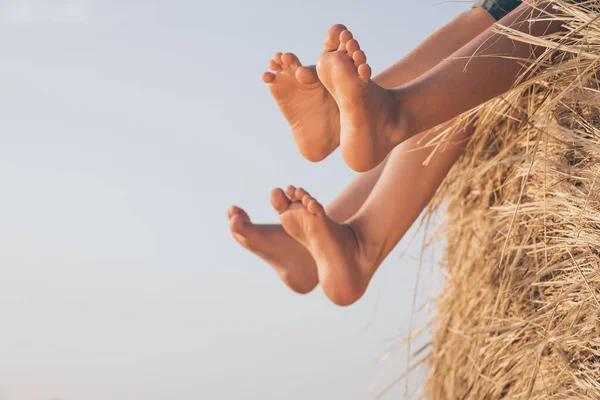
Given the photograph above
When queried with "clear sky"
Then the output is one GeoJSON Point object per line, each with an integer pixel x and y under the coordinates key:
{"type": "Point", "coordinates": [127, 129]}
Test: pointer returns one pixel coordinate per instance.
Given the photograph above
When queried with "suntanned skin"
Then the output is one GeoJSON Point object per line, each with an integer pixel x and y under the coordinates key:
{"type": "Point", "coordinates": [310, 108]}
{"type": "Point", "coordinates": [289, 257]}
{"type": "Point", "coordinates": [374, 119]}
{"type": "Point", "coordinates": [348, 254]}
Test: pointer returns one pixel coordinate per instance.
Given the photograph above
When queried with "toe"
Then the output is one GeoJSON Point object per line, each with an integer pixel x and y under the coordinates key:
{"type": "Point", "coordinates": [268, 77]}
{"type": "Point", "coordinates": [234, 210]}
{"type": "Point", "coordinates": [359, 58]}
{"type": "Point", "coordinates": [307, 75]}
{"type": "Point", "coordinates": [352, 46]}
{"type": "Point", "coordinates": [231, 211]}
{"type": "Point", "coordinates": [306, 199]}
{"type": "Point", "coordinates": [314, 207]}
{"type": "Point", "coordinates": [291, 60]}
{"type": "Point", "coordinates": [364, 71]}
{"type": "Point", "coordinates": [273, 66]}
{"type": "Point", "coordinates": [345, 36]}
{"type": "Point", "coordinates": [332, 39]}
{"type": "Point", "coordinates": [238, 224]}
{"type": "Point", "coordinates": [277, 58]}
{"type": "Point", "coordinates": [279, 200]}
{"type": "Point", "coordinates": [300, 193]}
{"type": "Point", "coordinates": [291, 192]}
{"type": "Point", "coordinates": [241, 230]}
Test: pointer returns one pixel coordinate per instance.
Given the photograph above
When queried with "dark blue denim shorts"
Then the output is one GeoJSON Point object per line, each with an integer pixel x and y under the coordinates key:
{"type": "Point", "coordinates": [500, 8]}
{"type": "Point", "coordinates": [497, 8]}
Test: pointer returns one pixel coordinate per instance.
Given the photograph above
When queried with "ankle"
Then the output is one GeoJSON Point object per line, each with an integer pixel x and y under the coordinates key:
{"type": "Point", "coordinates": [370, 251]}
{"type": "Point", "coordinates": [401, 116]}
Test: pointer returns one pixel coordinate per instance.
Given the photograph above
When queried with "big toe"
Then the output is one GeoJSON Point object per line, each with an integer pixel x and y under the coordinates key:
{"type": "Point", "coordinates": [279, 200]}
{"type": "Point", "coordinates": [238, 224]}
{"type": "Point", "coordinates": [235, 210]}
{"type": "Point", "coordinates": [332, 39]}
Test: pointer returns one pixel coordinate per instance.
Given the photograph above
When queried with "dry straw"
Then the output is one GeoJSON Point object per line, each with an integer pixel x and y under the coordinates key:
{"type": "Point", "coordinates": [519, 315]}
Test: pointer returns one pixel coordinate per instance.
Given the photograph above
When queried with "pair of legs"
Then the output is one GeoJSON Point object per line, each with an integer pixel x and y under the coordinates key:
{"type": "Point", "coordinates": [372, 121]}
{"type": "Point", "coordinates": [337, 103]}
{"type": "Point", "coordinates": [342, 245]}
{"type": "Point", "coordinates": [313, 98]}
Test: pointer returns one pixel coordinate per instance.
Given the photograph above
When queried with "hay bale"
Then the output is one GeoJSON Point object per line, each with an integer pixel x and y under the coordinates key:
{"type": "Point", "coordinates": [519, 315]}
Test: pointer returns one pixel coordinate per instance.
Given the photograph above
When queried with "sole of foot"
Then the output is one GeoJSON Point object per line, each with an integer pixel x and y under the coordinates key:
{"type": "Point", "coordinates": [290, 259]}
{"type": "Point", "coordinates": [335, 247]}
{"type": "Point", "coordinates": [370, 122]}
{"type": "Point", "coordinates": [305, 103]}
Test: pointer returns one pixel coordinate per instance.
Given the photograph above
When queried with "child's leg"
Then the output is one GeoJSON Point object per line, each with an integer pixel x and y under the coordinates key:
{"type": "Point", "coordinates": [290, 259]}
{"type": "Point", "coordinates": [347, 255]}
{"type": "Point", "coordinates": [374, 120]}
{"type": "Point", "coordinates": [485, 68]}
{"type": "Point", "coordinates": [313, 113]}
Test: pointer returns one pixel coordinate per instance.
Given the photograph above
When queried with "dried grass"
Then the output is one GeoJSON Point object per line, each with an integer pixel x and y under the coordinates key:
{"type": "Point", "coordinates": [519, 317]}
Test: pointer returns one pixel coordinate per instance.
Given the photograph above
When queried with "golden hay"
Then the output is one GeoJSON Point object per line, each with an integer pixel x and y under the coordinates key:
{"type": "Point", "coordinates": [519, 315]}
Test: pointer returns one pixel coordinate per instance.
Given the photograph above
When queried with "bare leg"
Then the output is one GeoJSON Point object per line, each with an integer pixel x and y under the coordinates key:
{"type": "Point", "coordinates": [290, 259]}
{"type": "Point", "coordinates": [347, 255]}
{"type": "Point", "coordinates": [311, 110]}
{"type": "Point", "coordinates": [374, 120]}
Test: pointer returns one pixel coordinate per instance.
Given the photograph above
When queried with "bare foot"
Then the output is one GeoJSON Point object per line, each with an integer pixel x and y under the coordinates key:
{"type": "Point", "coordinates": [290, 259]}
{"type": "Point", "coordinates": [370, 123]}
{"type": "Point", "coordinates": [305, 103]}
{"type": "Point", "coordinates": [335, 247]}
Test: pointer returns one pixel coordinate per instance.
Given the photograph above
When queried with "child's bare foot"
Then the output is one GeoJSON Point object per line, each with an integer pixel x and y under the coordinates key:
{"type": "Point", "coordinates": [370, 123]}
{"type": "Point", "coordinates": [290, 259]}
{"type": "Point", "coordinates": [338, 252]}
{"type": "Point", "coordinates": [305, 103]}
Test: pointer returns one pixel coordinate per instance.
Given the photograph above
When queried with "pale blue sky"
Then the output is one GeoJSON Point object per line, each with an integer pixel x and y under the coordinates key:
{"type": "Point", "coordinates": [127, 129]}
